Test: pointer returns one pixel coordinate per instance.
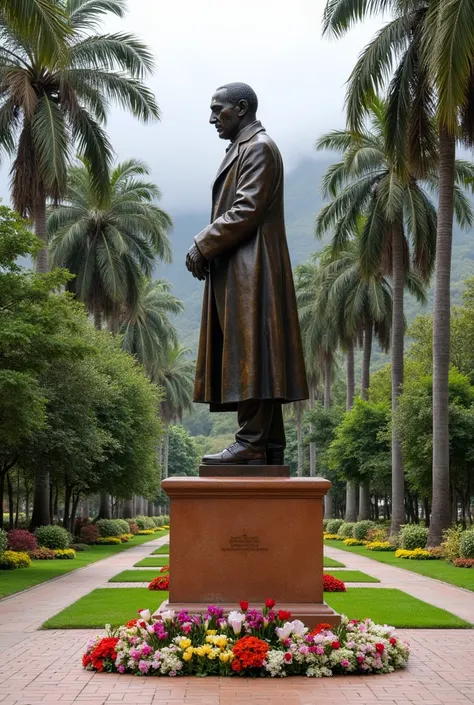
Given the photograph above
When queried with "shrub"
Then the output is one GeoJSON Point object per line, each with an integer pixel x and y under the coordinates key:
{"type": "Point", "coordinates": [354, 542]}
{"type": "Point", "coordinates": [413, 536]}
{"type": "Point", "coordinates": [111, 527]}
{"type": "Point", "coordinates": [144, 522]}
{"type": "Point", "coordinates": [467, 544]}
{"type": "Point", "coordinates": [3, 541]}
{"type": "Point", "coordinates": [160, 583]}
{"type": "Point", "coordinates": [108, 540]}
{"type": "Point", "coordinates": [79, 522]}
{"type": "Point", "coordinates": [346, 529]}
{"type": "Point", "coordinates": [333, 537]}
{"type": "Point", "coordinates": [334, 525]}
{"type": "Point", "coordinates": [464, 562]}
{"type": "Point", "coordinates": [380, 534]}
{"type": "Point", "coordinates": [125, 538]}
{"type": "Point", "coordinates": [417, 554]}
{"type": "Point", "coordinates": [436, 552]}
{"type": "Point", "coordinates": [65, 554]}
{"type": "Point", "coordinates": [165, 569]}
{"type": "Point", "coordinates": [42, 554]}
{"type": "Point", "coordinates": [325, 524]}
{"type": "Point", "coordinates": [451, 545]}
{"type": "Point", "coordinates": [21, 540]}
{"type": "Point", "coordinates": [332, 584]}
{"type": "Point", "coordinates": [123, 524]}
{"type": "Point", "coordinates": [89, 534]}
{"type": "Point", "coordinates": [361, 529]}
{"type": "Point", "coordinates": [146, 532]}
{"type": "Point", "coordinates": [52, 536]}
{"type": "Point", "coordinates": [79, 547]}
{"type": "Point", "coordinates": [133, 527]}
{"type": "Point", "coordinates": [380, 546]}
{"type": "Point", "coordinates": [10, 560]}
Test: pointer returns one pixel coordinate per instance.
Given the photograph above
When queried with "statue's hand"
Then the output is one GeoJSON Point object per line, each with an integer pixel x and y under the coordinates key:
{"type": "Point", "coordinates": [196, 263]}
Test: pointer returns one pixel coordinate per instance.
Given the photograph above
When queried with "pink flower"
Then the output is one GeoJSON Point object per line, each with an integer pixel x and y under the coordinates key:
{"type": "Point", "coordinates": [361, 659]}
{"type": "Point", "coordinates": [345, 663]}
{"type": "Point", "coordinates": [288, 657]}
{"type": "Point", "coordinates": [144, 666]}
{"type": "Point", "coordinates": [121, 668]}
{"type": "Point", "coordinates": [320, 650]}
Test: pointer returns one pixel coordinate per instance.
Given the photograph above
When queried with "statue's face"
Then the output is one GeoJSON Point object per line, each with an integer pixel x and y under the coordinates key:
{"type": "Point", "coordinates": [226, 117]}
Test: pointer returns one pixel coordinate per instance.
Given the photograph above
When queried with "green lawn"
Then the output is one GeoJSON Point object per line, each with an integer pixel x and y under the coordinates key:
{"type": "Point", "coordinates": [461, 577]}
{"type": "Point", "coordinates": [106, 606]}
{"type": "Point", "coordinates": [394, 607]}
{"type": "Point", "coordinates": [137, 576]}
{"type": "Point", "coordinates": [152, 562]}
{"type": "Point", "coordinates": [12, 581]}
{"type": "Point", "coordinates": [352, 576]}
{"type": "Point", "coordinates": [331, 563]}
{"type": "Point", "coordinates": [162, 549]}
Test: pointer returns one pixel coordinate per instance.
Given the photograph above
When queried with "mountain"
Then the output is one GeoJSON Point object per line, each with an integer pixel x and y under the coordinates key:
{"type": "Point", "coordinates": [302, 202]}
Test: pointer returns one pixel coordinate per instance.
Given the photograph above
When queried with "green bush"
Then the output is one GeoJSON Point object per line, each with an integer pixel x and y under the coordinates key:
{"type": "Point", "coordinates": [158, 521]}
{"type": "Point", "coordinates": [413, 536]}
{"type": "Point", "coordinates": [3, 541]}
{"type": "Point", "coordinates": [144, 522]}
{"type": "Point", "coordinates": [334, 525]}
{"type": "Point", "coordinates": [111, 527]}
{"type": "Point", "coordinates": [325, 524]}
{"type": "Point", "coordinates": [124, 527]}
{"type": "Point", "coordinates": [79, 547]}
{"type": "Point", "coordinates": [66, 554]}
{"type": "Point", "coordinates": [10, 560]}
{"type": "Point", "coordinates": [52, 536]}
{"type": "Point", "coordinates": [467, 544]}
{"type": "Point", "coordinates": [361, 529]}
{"type": "Point", "coordinates": [108, 540]}
{"type": "Point", "coordinates": [346, 529]}
{"type": "Point", "coordinates": [451, 546]}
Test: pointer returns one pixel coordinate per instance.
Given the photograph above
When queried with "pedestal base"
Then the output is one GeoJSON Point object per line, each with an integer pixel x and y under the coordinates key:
{"type": "Point", "coordinates": [248, 538]}
{"type": "Point", "coordinates": [244, 471]}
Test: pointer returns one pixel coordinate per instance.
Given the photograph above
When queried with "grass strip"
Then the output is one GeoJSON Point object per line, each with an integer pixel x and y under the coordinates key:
{"type": "Point", "coordinates": [162, 549]}
{"type": "Point", "coordinates": [352, 576]}
{"type": "Point", "coordinates": [438, 569]}
{"type": "Point", "coordinates": [105, 606]}
{"type": "Point", "coordinates": [394, 607]}
{"type": "Point", "coordinates": [13, 581]}
{"type": "Point", "coordinates": [331, 563]}
{"type": "Point", "coordinates": [137, 576]}
{"type": "Point", "coordinates": [152, 562]}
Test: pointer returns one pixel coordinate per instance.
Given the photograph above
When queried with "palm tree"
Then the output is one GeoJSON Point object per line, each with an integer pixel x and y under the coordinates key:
{"type": "Point", "coordinates": [110, 242]}
{"type": "Point", "coordinates": [50, 104]}
{"type": "Point", "coordinates": [366, 183]}
{"type": "Point", "coordinates": [38, 20]}
{"type": "Point", "coordinates": [176, 376]}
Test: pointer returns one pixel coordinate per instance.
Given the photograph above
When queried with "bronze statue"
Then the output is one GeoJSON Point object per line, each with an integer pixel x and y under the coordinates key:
{"type": "Point", "coordinates": [250, 357]}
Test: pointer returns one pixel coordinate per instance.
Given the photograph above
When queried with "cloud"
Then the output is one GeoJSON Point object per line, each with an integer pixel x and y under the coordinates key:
{"type": "Point", "coordinates": [274, 45]}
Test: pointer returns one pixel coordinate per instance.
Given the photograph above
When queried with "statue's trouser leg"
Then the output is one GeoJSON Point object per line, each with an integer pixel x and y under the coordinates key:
{"type": "Point", "coordinates": [254, 418]}
{"type": "Point", "coordinates": [276, 437]}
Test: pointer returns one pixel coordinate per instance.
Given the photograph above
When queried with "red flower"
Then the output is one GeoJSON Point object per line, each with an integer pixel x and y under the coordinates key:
{"type": "Point", "coordinates": [336, 645]}
{"type": "Point", "coordinates": [142, 624]}
{"type": "Point", "coordinates": [284, 616]}
{"type": "Point", "coordinates": [288, 657]}
{"type": "Point", "coordinates": [104, 651]}
{"type": "Point", "coordinates": [131, 623]}
{"type": "Point", "coordinates": [380, 648]}
{"type": "Point", "coordinates": [323, 627]}
{"type": "Point", "coordinates": [244, 605]}
{"type": "Point", "coordinates": [331, 584]}
{"type": "Point", "coordinates": [165, 569]}
{"type": "Point", "coordinates": [249, 652]}
{"type": "Point", "coordinates": [393, 641]}
{"type": "Point", "coordinates": [160, 583]}
{"type": "Point", "coordinates": [269, 603]}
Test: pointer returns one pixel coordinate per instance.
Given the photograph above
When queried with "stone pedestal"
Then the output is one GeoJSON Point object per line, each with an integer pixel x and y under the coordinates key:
{"type": "Point", "coordinates": [248, 538]}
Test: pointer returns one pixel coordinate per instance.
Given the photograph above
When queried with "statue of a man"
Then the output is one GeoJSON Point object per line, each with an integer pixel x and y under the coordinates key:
{"type": "Point", "coordinates": [250, 355]}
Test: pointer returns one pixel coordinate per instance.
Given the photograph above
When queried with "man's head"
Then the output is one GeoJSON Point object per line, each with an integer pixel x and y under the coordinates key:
{"type": "Point", "coordinates": [233, 107]}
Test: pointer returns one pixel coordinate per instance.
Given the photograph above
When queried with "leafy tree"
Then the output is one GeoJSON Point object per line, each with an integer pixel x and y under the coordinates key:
{"type": "Point", "coordinates": [323, 424]}
{"type": "Point", "coordinates": [184, 454]}
{"type": "Point", "coordinates": [51, 103]}
{"type": "Point", "coordinates": [109, 241]}
{"type": "Point", "coordinates": [38, 20]}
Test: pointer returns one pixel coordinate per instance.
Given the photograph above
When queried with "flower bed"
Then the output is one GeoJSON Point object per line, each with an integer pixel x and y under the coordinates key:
{"type": "Point", "coordinates": [380, 546]}
{"type": "Point", "coordinates": [245, 642]}
{"type": "Point", "coordinates": [162, 582]}
{"type": "Point", "coordinates": [332, 584]}
{"type": "Point", "coordinates": [464, 562]}
{"type": "Point", "coordinates": [354, 542]}
{"type": "Point", "coordinates": [418, 554]}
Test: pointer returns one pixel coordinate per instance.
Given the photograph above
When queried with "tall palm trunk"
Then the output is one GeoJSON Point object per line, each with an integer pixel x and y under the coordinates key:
{"type": "Point", "coordinates": [329, 506]}
{"type": "Point", "coordinates": [351, 490]}
{"type": "Point", "coordinates": [299, 437]}
{"type": "Point", "coordinates": [98, 319]}
{"type": "Point", "coordinates": [39, 217]}
{"type": "Point", "coordinates": [312, 445]}
{"type": "Point", "coordinates": [327, 381]}
{"type": "Point", "coordinates": [166, 449]}
{"type": "Point", "coordinates": [398, 334]}
{"type": "Point", "coordinates": [440, 510]}
{"type": "Point", "coordinates": [367, 357]}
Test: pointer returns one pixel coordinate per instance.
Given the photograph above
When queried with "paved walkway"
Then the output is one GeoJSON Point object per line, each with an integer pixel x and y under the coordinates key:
{"type": "Point", "coordinates": [448, 597]}
{"type": "Point", "coordinates": [45, 667]}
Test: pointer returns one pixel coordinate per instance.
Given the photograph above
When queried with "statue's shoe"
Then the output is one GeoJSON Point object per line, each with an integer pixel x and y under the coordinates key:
{"type": "Point", "coordinates": [236, 454]}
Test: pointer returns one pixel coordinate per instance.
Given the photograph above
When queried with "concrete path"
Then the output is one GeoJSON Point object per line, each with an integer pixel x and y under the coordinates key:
{"type": "Point", "coordinates": [448, 597]}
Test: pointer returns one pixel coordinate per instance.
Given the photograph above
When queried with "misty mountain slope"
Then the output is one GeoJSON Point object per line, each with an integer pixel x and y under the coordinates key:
{"type": "Point", "coordinates": [302, 201]}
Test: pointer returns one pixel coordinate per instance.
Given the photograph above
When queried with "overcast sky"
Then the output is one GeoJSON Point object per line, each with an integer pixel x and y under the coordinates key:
{"type": "Point", "coordinates": [275, 46]}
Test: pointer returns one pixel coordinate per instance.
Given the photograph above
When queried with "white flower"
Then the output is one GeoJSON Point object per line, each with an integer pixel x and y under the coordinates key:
{"type": "Point", "coordinates": [284, 631]}
{"type": "Point", "coordinates": [236, 619]}
{"type": "Point", "coordinates": [298, 627]}
{"type": "Point", "coordinates": [167, 615]}
{"type": "Point", "coordinates": [145, 615]}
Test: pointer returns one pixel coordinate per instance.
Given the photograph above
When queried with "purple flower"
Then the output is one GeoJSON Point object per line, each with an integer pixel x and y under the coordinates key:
{"type": "Point", "coordinates": [135, 654]}
{"type": "Point", "coordinates": [213, 611]}
{"type": "Point", "coordinates": [144, 666]}
{"type": "Point", "coordinates": [271, 615]}
{"type": "Point", "coordinates": [183, 617]}
{"type": "Point", "coordinates": [146, 650]}
{"type": "Point", "coordinates": [172, 673]}
{"type": "Point", "coordinates": [121, 668]}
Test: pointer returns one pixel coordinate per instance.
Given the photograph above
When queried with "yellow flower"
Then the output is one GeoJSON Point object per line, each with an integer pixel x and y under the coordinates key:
{"type": "Point", "coordinates": [184, 643]}
{"type": "Point", "coordinates": [226, 656]}
{"type": "Point", "coordinates": [188, 655]}
{"type": "Point", "coordinates": [212, 632]}
{"type": "Point", "coordinates": [199, 650]}
{"type": "Point", "coordinates": [221, 641]}
{"type": "Point", "coordinates": [206, 649]}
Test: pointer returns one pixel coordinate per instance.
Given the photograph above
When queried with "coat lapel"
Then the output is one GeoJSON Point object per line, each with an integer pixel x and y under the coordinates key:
{"type": "Point", "coordinates": [233, 152]}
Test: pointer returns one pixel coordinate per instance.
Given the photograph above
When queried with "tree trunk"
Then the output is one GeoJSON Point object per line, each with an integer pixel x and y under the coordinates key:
{"type": "Point", "coordinates": [75, 504]}
{"type": "Point", "coordinates": [67, 505]}
{"type": "Point", "coordinates": [11, 504]}
{"type": "Point", "coordinates": [105, 509]}
{"type": "Point", "coordinates": [128, 509]}
{"type": "Point", "coordinates": [329, 506]}
{"type": "Point", "coordinates": [440, 509]}
{"type": "Point", "coordinates": [39, 217]}
{"type": "Point", "coordinates": [98, 320]}
{"type": "Point", "coordinates": [27, 501]}
{"type": "Point", "coordinates": [398, 335]}
{"type": "Point", "coordinates": [166, 449]}
{"type": "Point", "coordinates": [327, 382]}
{"type": "Point", "coordinates": [364, 500]}
{"type": "Point", "coordinates": [299, 438]}
{"type": "Point", "coordinates": [17, 505]}
{"type": "Point", "coordinates": [351, 502]}
{"type": "Point", "coordinates": [312, 446]}
{"type": "Point", "coordinates": [41, 501]}
{"type": "Point", "coordinates": [151, 509]}
{"type": "Point", "coordinates": [350, 378]}
{"type": "Point", "coordinates": [366, 359]}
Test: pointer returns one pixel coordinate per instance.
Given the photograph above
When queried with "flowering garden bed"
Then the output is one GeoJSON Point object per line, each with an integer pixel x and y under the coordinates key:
{"type": "Point", "coordinates": [245, 642]}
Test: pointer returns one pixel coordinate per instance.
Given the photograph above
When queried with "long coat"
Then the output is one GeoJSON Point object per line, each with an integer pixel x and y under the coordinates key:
{"type": "Point", "coordinates": [250, 342]}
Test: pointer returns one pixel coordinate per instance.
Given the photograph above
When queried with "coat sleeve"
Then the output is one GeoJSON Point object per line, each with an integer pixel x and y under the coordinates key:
{"type": "Point", "coordinates": [255, 185]}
